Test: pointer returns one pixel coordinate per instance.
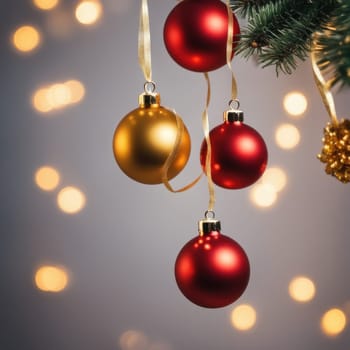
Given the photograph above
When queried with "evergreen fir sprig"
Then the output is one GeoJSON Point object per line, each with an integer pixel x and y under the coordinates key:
{"type": "Point", "coordinates": [333, 46]}
{"type": "Point", "coordinates": [245, 8]}
{"type": "Point", "coordinates": [280, 32]}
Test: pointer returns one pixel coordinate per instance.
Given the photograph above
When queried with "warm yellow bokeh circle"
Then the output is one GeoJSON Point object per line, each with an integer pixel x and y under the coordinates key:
{"type": "Point", "coordinates": [243, 317]}
{"type": "Point", "coordinates": [50, 278]}
{"type": "Point", "coordinates": [302, 289]}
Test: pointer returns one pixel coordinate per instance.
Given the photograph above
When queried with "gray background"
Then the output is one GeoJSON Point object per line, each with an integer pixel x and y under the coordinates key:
{"type": "Point", "coordinates": [121, 248]}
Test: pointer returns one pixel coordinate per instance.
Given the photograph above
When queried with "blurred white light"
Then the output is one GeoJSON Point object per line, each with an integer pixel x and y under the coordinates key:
{"type": "Point", "coordinates": [302, 289]}
{"type": "Point", "coordinates": [71, 200]}
{"type": "Point", "coordinates": [45, 4]}
{"type": "Point", "coordinates": [333, 322]}
{"type": "Point", "coordinates": [287, 136]}
{"type": "Point", "coordinates": [263, 195]}
{"type": "Point", "coordinates": [243, 317]}
{"type": "Point", "coordinates": [88, 12]}
{"type": "Point", "coordinates": [276, 177]}
{"type": "Point", "coordinates": [133, 340]}
{"type": "Point", "coordinates": [51, 278]}
{"type": "Point", "coordinates": [47, 178]}
{"type": "Point", "coordinates": [295, 103]}
{"type": "Point", "coordinates": [26, 38]}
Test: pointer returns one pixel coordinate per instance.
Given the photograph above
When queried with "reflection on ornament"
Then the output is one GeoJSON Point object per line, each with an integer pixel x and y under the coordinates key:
{"type": "Point", "coordinates": [146, 137]}
{"type": "Point", "coordinates": [336, 150]}
{"type": "Point", "coordinates": [212, 270]}
{"type": "Point", "coordinates": [238, 153]}
{"type": "Point", "coordinates": [198, 43]}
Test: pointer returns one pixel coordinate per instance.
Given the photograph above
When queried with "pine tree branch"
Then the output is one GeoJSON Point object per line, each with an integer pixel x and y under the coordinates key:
{"type": "Point", "coordinates": [280, 32]}
{"type": "Point", "coordinates": [333, 46]}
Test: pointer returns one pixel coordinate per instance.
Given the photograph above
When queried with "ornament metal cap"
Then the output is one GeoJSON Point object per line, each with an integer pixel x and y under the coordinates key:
{"type": "Point", "coordinates": [234, 114]}
{"type": "Point", "coordinates": [208, 224]}
{"type": "Point", "coordinates": [149, 97]}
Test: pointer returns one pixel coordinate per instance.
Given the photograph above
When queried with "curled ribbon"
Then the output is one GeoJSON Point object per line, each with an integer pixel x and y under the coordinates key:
{"type": "Point", "coordinates": [335, 152]}
{"type": "Point", "coordinates": [206, 129]}
{"type": "Point", "coordinates": [323, 88]}
{"type": "Point", "coordinates": [144, 54]}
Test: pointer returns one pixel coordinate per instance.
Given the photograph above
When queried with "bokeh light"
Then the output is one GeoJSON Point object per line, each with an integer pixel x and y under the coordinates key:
{"type": "Point", "coordinates": [51, 278]}
{"type": "Point", "coordinates": [302, 289]}
{"type": "Point", "coordinates": [295, 103]}
{"type": "Point", "coordinates": [276, 177]}
{"type": "Point", "coordinates": [58, 95]}
{"type": "Point", "coordinates": [263, 195]}
{"type": "Point", "coordinates": [287, 136]}
{"type": "Point", "coordinates": [76, 90]}
{"type": "Point", "coordinates": [26, 38]}
{"type": "Point", "coordinates": [45, 4]}
{"type": "Point", "coordinates": [133, 340]}
{"type": "Point", "coordinates": [40, 101]}
{"type": "Point", "coordinates": [47, 178]}
{"type": "Point", "coordinates": [333, 322]}
{"type": "Point", "coordinates": [243, 317]}
{"type": "Point", "coordinates": [71, 200]}
{"type": "Point", "coordinates": [88, 12]}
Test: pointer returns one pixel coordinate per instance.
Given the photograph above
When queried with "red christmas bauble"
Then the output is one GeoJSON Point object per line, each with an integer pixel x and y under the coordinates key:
{"type": "Point", "coordinates": [238, 155]}
{"type": "Point", "coordinates": [195, 34]}
{"type": "Point", "coordinates": [212, 270]}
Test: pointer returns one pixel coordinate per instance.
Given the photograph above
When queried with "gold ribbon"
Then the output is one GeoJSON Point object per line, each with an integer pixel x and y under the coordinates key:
{"type": "Point", "coordinates": [144, 44]}
{"type": "Point", "coordinates": [229, 51]}
{"type": "Point", "coordinates": [206, 129]}
{"type": "Point", "coordinates": [171, 158]}
{"type": "Point", "coordinates": [144, 54]}
{"type": "Point", "coordinates": [323, 88]}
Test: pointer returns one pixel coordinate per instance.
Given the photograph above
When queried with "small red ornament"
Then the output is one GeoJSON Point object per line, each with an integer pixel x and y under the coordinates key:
{"type": "Point", "coordinates": [238, 152]}
{"type": "Point", "coordinates": [195, 34]}
{"type": "Point", "coordinates": [212, 270]}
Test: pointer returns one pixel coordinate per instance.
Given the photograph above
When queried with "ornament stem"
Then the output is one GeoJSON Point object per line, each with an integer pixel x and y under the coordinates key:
{"type": "Point", "coordinates": [144, 42]}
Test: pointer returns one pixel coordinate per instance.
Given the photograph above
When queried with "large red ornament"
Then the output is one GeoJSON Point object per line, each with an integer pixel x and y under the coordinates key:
{"type": "Point", "coordinates": [212, 270]}
{"type": "Point", "coordinates": [238, 153]}
{"type": "Point", "coordinates": [195, 34]}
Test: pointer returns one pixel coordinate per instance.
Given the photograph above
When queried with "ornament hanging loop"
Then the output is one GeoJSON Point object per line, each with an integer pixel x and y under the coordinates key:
{"type": "Point", "coordinates": [149, 87]}
{"type": "Point", "coordinates": [234, 104]}
{"type": "Point", "coordinates": [209, 214]}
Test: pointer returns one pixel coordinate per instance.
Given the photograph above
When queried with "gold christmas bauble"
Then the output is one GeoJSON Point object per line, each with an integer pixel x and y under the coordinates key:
{"type": "Point", "coordinates": [146, 137]}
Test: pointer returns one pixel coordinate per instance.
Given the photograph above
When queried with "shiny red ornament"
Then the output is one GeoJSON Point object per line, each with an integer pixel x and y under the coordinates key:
{"type": "Point", "coordinates": [238, 155]}
{"type": "Point", "coordinates": [212, 270]}
{"type": "Point", "coordinates": [195, 34]}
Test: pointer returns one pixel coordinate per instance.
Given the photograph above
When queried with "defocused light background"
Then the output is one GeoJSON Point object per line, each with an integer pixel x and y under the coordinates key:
{"type": "Point", "coordinates": [87, 254]}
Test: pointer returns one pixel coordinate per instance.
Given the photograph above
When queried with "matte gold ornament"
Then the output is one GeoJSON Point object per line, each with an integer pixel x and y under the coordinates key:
{"type": "Point", "coordinates": [336, 150]}
{"type": "Point", "coordinates": [147, 138]}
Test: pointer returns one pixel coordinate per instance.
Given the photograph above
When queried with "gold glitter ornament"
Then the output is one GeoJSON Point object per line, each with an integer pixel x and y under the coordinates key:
{"type": "Point", "coordinates": [336, 150]}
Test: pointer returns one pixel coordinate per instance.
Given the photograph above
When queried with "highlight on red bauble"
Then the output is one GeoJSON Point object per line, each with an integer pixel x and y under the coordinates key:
{"type": "Point", "coordinates": [238, 155]}
{"type": "Point", "coordinates": [212, 270]}
{"type": "Point", "coordinates": [195, 34]}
